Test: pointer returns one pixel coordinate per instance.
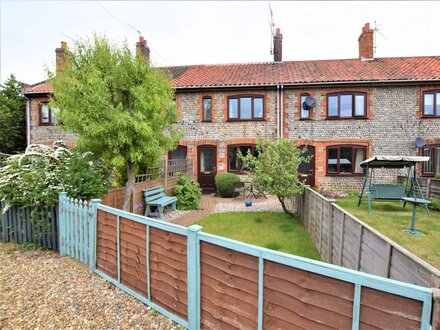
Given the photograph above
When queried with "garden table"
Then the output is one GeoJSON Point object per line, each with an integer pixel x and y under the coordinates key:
{"type": "Point", "coordinates": [414, 201]}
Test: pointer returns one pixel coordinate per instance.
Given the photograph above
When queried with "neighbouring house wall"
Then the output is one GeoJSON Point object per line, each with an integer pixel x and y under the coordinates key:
{"type": "Point", "coordinates": [394, 121]}
{"type": "Point", "coordinates": [46, 134]}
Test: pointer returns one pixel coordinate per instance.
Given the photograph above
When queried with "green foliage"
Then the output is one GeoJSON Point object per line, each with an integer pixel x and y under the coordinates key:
{"type": "Point", "coordinates": [30, 247]}
{"type": "Point", "coordinates": [225, 183]}
{"type": "Point", "coordinates": [275, 169]}
{"type": "Point", "coordinates": [12, 117]}
{"type": "Point", "coordinates": [273, 246]}
{"type": "Point", "coordinates": [36, 177]}
{"type": "Point", "coordinates": [437, 176]}
{"type": "Point", "coordinates": [435, 204]}
{"type": "Point", "coordinates": [188, 193]}
{"type": "Point", "coordinates": [121, 108]}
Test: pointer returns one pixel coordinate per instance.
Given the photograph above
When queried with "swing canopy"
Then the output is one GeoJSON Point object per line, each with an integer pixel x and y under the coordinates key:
{"type": "Point", "coordinates": [392, 161]}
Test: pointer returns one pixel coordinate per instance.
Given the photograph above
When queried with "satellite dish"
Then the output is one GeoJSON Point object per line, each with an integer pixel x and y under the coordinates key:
{"type": "Point", "coordinates": [308, 103]}
{"type": "Point", "coordinates": [419, 142]}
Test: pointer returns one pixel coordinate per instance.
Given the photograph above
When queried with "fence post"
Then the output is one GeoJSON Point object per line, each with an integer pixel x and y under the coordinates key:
{"type": "Point", "coordinates": [165, 162]}
{"type": "Point", "coordinates": [193, 261]}
{"type": "Point", "coordinates": [436, 309]}
{"type": "Point", "coordinates": [93, 220]}
{"type": "Point", "coordinates": [62, 197]}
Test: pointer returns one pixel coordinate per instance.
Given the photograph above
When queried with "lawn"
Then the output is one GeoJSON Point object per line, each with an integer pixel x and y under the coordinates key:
{"type": "Point", "coordinates": [390, 218]}
{"type": "Point", "coordinates": [272, 230]}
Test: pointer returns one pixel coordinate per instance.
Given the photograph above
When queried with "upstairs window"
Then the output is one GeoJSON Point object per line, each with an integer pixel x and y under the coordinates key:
{"type": "Point", "coordinates": [345, 160]}
{"type": "Point", "coordinates": [305, 113]}
{"type": "Point", "coordinates": [245, 108]}
{"type": "Point", "coordinates": [346, 105]}
{"type": "Point", "coordinates": [207, 109]}
{"type": "Point", "coordinates": [234, 162]}
{"type": "Point", "coordinates": [431, 103]}
{"type": "Point", "coordinates": [48, 115]}
{"type": "Point", "coordinates": [432, 166]}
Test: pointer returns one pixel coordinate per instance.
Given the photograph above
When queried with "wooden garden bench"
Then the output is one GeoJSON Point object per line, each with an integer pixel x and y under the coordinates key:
{"type": "Point", "coordinates": [155, 197]}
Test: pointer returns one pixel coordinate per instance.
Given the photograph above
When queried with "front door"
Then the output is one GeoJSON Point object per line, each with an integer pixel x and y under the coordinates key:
{"type": "Point", "coordinates": [307, 169]}
{"type": "Point", "coordinates": [207, 159]}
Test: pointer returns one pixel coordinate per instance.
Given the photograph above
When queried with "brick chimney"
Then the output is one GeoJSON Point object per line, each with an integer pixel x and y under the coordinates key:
{"type": "Point", "coordinates": [366, 43]}
{"type": "Point", "coordinates": [61, 57]}
{"type": "Point", "coordinates": [278, 46]}
{"type": "Point", "coordinates": [143, 49]}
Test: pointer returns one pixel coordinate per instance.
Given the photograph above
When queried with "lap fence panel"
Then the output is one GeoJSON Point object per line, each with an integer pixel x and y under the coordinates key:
{"type": "Point", "coordinates": [106, 244]}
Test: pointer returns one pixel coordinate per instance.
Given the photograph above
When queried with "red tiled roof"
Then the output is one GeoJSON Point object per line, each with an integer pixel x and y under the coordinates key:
{"type": "Point", "coordinates": [298, 72]}
{"type": "Point", "coordinates": [41, 87]}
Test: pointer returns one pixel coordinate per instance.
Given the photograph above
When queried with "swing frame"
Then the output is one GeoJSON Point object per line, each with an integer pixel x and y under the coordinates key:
{"type": "Point", "coordinates": [391, 162]}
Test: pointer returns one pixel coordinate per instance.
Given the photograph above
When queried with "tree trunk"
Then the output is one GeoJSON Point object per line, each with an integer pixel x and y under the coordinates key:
{"type": "Point", "coordinates": [283, 205]}
{"type": "Point", "coordinates": [129, 185]}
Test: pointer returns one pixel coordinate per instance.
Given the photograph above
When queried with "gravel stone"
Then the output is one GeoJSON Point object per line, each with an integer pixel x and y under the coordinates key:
{"type": "Point", "coordinates": [270, 203]}
{"type": "Point", "coordinates": [41, 289]}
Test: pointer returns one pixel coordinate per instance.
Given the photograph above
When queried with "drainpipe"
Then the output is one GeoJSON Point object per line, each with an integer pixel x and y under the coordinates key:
{"type": "Point", "coordinates": [278, 112]}
{"type": "Point", "coordinates": [28, 121]}
{"type": "Point", "coordinates": [281, 111]}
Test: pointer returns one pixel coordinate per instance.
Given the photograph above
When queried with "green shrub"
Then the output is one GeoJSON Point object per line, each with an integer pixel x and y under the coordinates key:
{"type": "Point", "coordinates": [36, 177]}
{"type": "Point", "coordinates": [435, 204]}
{"type": "Point", "coordinates": [225, 183]}
{"type": "Point", "coordinates": [188, 193]}
{"type": "Point", "coordinates": [437, 176]}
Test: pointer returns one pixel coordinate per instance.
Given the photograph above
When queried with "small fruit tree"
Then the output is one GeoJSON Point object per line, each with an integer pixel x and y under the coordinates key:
{"type": "Point", "coordinates": [275, 169]}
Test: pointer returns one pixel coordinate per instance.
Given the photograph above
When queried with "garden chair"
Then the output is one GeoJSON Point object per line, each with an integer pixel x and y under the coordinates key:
{"type": "Point", "coordinates": [239, 188]}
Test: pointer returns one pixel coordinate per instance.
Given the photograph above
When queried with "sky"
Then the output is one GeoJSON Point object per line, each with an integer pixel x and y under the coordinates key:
{"type": "Point", "coordinates": [213, 32]}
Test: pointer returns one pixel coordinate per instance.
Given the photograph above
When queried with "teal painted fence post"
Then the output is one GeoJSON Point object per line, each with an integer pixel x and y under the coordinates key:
{"type": "Point", "coordinates": [62, 235]}
{"type": "Point", "coordinates": [193, 257]}
{"type": "Point", "coordinates": [93, 220]}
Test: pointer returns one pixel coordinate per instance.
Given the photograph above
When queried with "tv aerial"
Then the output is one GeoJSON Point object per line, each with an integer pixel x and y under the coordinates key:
{"type": "Point", "coordinates": [272, 28]}
{"type": "Point", "coordinates": [377, 28]}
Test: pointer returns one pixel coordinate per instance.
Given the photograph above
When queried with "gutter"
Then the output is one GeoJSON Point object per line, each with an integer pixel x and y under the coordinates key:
{"type": "Point", "coordinates": [331, 83]}
{"type": "Point", "coordinates": [28, 121]}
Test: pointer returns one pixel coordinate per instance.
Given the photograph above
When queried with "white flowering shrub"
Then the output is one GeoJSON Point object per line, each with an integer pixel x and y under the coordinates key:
{"type": "Point", "coordinates": [36, 177]}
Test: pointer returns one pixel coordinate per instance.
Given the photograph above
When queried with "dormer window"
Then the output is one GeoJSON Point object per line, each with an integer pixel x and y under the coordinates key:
{"type": "Point", "coordinates": [249, 107]}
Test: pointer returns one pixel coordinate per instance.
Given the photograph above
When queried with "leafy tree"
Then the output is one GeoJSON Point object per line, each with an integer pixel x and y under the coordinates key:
{"type": "Point", "coordinates": [121, 108]}
{"type": "Point", "coordinates": [275, 169]}
{"type": "Point", "coordinates": [12, 117]}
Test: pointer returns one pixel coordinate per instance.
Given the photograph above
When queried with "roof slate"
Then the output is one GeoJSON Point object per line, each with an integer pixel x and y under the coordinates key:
{"type": "Point", "coordinates": [298, 72]}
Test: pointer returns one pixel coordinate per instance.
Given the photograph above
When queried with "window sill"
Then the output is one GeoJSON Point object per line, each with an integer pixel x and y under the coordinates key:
{"type": "Point", "coordinates": [243, 120]}
{"type": "Point", "coordinates": [43, 124]}
{"type": "Point", "coordinates": [346, 118]}
{"type": "Point", "coordinates": [430, 117]}
{"type": "Point", "coordinates": [206, 121]}
{"type": "Point", "coordinates": [345, 175]}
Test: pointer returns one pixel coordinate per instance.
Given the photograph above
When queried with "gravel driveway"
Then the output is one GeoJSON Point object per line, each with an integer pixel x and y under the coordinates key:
{"type": "Point", "coordinates": [40, 289]}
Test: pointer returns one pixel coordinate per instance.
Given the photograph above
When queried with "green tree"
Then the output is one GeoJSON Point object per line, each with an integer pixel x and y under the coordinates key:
{"type": "Point", "coordinates": [12, 117]}
{"type": "Point", "coordinates": [275, 169]}
{"type": "Point", "coordinates": [121, 108]}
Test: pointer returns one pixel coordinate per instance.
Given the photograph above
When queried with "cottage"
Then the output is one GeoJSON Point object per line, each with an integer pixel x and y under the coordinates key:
{"type": "Point", "coordinates": [342, 111]}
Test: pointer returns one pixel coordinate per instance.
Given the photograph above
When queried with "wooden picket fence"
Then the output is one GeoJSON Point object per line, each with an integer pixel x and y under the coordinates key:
{"type": "Point", "coordinates": [30, 225]}
{"type": "Point", "coordinates": [77, 227]}
{"type": "Point", "coordinates": [205, 281]}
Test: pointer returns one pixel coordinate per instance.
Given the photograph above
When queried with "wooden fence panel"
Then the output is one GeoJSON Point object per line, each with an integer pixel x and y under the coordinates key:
{"type": "Point", "coordinates": [381, 310]}
{"type": "Point", "coordinates": [350, 243]}
{"type": "Point", "coordinates": [168, 271]}
{"type": "Point", "coordinates": [229, 288]}
{"type": "Point", "coordinates": [106, 244]}
{"type": "Point", "coordinates": [295, 298]}
{"type": "Point", "coordinates": [27, 225]}
{"type": "Point", "coordinates": [133, 249]}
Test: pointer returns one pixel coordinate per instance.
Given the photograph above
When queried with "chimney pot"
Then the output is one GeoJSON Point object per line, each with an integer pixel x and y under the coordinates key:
{"type": "Point", "coordinates": [278, 46]}
{"type": "Point", "coordinates": [366, 42]}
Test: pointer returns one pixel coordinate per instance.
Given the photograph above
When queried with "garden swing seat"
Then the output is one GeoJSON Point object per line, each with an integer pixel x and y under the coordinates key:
{"type": "Point", "coordinates": [387, 192]}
